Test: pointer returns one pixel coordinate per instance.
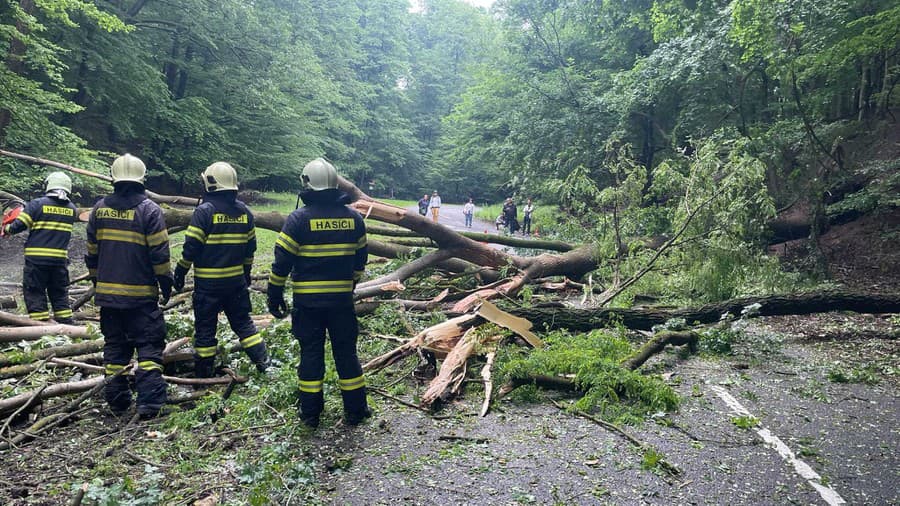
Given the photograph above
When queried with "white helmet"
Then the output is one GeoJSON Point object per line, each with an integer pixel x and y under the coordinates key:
{"type": "Point", "coordinates": [319, 175]}
{"type": "Point", "coordinates": [219, 176]}
{"type": "Point", "coordinates": [128, 168]}
{"type": "Point", "coordinates": [58, 181]}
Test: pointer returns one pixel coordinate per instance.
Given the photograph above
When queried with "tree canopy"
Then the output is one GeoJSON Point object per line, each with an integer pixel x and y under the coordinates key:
{"type": "Point", "coordinates": [406, 96]}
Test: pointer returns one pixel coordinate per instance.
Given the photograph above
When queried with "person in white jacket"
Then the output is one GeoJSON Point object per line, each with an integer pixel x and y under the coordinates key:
{"type": "Point", "coordinates": [435, 205]}
{"type": "Point", "coordinates": [468, 212]}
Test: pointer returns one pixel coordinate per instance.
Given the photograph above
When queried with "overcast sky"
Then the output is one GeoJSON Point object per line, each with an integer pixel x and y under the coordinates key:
{"type": "Point", "coordinates": [480, 3]}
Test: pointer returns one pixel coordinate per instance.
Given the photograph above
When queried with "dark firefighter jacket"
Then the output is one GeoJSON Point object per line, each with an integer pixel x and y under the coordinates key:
{"type": "Point", "coordinates": [323, 246]}
{"type": "Point", "coordinates": [219, 242]}
{"type": "Point", "coordinates": [50, 222]}
{"type": "Point", "coordinates": [127, 248]}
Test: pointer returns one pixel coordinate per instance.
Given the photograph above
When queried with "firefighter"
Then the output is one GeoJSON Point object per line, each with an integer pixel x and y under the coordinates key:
{"type": "Point", "coordinates": [46, 272]}
{"type": "Point", "coordinates": [323, 248]}
{"type": "Point", "coordinates": [220, 243]}
{"type": "Point", "coordinates": [128, 259]}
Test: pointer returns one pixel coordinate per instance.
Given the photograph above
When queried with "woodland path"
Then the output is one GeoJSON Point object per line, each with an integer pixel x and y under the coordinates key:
{"type": "Point", "coordinates": [537, 454]}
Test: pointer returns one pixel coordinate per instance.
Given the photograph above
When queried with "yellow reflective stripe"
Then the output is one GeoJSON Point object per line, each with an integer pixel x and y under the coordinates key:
{"type": "Point", "coordinates": [227, 238]}
{"type": "Point", "coordinates": [327, 250]}
{"type": "Point", "coordinates": [113, 368]}
{"type": "Point", "coordinates": [157, 238]}
{"type": "Point", "coordinates": [185, 263]}
{"type": "Point", "coordinates": [52, 225]}
{"type": "Point", "coordinates": [338, 286]}
{"type": "Point", "coordinates": [196, 233]}
{"type": "Point", "coordinates": [25, 218]}
{"type": "Point", "coordinates": [248, 261]}
{"type": "Point", "coordinates": [112, 234]}
{"type": "Point", "coordinates": [276, 280]}
{"type": "Point", "coordinates": [286, 242]}
{"type": "Point", "coordinates": [40, 315]}
{"type": "Point", "coordinates": [352, 383]}
{"type": "Point", "coordinates": [62, 313]}
{"type": "Point", "coordinates": [149, 365]}
{"type": "Point", "coordinates": [205, 351]}
{"type": "Point", "coordinates": [162, 269]}
{"type": "Point", "coordinates": [218, 272]}
{"type": "Point", "coordinates": [312, 387]}
{"type": "Point", "coordinates": [92, 248]}
{"type": "Point", "coordinates": [362, 242]}
{"type": "Point", "coordinates": [251, 234]}
{"type": "Point", "coordinates": [127, 290]}
{"type": "Point", "coordinates": [46, 252]}
{"type": "Point", "coordinates": [251, 341]}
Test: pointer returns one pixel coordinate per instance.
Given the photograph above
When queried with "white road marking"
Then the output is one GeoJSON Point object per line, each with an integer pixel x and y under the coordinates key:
{"type": "Point", "coordinates": [802, 468]}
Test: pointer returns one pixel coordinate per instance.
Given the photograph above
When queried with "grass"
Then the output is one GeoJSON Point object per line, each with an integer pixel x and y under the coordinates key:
{"type": "Point", "coordinates": [544, 219]}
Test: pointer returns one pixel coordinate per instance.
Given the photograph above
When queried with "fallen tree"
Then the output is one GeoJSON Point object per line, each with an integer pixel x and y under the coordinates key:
{"type": "Point", "coordinates": [772, 305]}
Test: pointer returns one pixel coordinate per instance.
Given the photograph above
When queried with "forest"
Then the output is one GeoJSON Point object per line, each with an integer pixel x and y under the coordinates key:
{"type": "Point", "coordinates": [706, 311]}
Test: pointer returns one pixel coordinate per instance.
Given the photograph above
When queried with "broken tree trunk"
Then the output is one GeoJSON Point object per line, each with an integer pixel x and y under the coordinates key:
{"type": "Point", "coordinates": [772, 305]}
{"type": "Point", "coordinates": [445, 386]}
{"type": "Point", "coordinates": [440, 339]}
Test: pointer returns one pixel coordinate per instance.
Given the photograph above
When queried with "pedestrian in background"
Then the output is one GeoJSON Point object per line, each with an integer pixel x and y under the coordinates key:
{"type": "Point", "coordinates": [435, 205]}
{"type": "Point", "coordinates": [526, 217]}
{"type": "Point", "coordinates": [423, 205]}
{"type": "Point", "coordinates": [468, 212]}
{"type": "Point", "coordinates": [511, 215]}
{"type": "Point", "coordinates": [46, 273]}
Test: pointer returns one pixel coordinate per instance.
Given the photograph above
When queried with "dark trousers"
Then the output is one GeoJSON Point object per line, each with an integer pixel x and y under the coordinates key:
{"type": "Point", "coordinates": [309, 325]}
{"type": "Point", "coordinates": [40, 281]}
{"type": "Point", "coordinates": [526, 225]}
{"type": "Point", "coordinates": [236, 305]}
{"type": "Point", "coordinates": [125, 330]}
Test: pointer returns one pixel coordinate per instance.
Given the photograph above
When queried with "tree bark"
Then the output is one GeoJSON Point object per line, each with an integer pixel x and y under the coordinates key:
{"type": "Point", "coordinates": [772, 305]}
{"type": "Point", "coordinates": [31, 333]}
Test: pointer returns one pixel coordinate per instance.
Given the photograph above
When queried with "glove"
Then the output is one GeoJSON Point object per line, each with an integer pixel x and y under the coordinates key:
{"type": "Point", "coordinates": [180, 273]}
{"type": "Point", "coordinates": [247, 278]}
{"type": "Point", "coordinates": [275, 301]}
{"type": "Point", "coordinates": [165, 288]}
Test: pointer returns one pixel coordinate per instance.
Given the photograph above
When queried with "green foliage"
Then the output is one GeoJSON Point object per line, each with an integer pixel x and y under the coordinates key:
{"type": "Point", "coordinates": [745, 422]}
{"type": "Point", "coordinates": [613, 392]}
{"type": "Point", "coordinates": [147, 490]}
{"type": "Point", "coordinates": [868, 375]}
{"type": "Point", "coordinates": [717, 341]}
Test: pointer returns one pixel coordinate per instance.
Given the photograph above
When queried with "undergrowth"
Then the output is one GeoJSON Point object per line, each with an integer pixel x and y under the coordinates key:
{"type": "Point", "coordinates": [611, 391]}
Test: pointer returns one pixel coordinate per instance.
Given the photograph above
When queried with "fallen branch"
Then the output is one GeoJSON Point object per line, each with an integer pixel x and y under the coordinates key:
{"type": "Point", "coordinates": [21, 321]}
{"type": "Point", "coordinates": [160, 199]}
{"type": "Point", "coordinates": [640, 445]}
{"type": "Point", "coordinates": [66, 350]}
{"type": "Point", "coordinates": [36, 332]}
{"type": "Point", "coordinates": [19, 370]}
{"type": "Point", "coordinates": [657, 343]}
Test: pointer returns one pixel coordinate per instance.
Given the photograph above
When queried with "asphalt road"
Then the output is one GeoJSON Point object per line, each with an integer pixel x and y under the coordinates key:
{"type": "Point", "coordinates": [451, 215]}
